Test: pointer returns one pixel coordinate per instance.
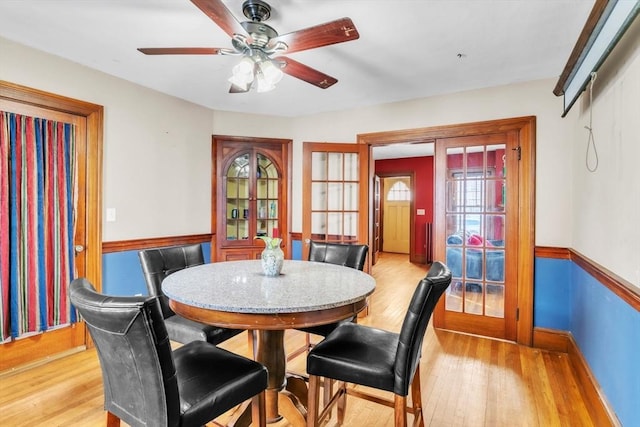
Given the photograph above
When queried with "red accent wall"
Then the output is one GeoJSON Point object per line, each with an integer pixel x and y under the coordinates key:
{"type": "Point", "coordinates": [422, 169]}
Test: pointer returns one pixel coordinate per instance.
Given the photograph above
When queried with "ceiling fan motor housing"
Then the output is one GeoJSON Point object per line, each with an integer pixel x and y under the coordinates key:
{"type": "Point", "coordinates": [256, 10]}
{"type": "Point", "coordinates": [260, 33]}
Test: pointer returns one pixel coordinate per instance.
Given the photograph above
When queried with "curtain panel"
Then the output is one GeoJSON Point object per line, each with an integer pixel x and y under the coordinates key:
{"type": "Point", "coordinates": [37, 187]}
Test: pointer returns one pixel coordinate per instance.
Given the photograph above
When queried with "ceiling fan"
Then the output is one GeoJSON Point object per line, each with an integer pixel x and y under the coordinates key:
{"type": "Point", "coordinates": [262, 47]}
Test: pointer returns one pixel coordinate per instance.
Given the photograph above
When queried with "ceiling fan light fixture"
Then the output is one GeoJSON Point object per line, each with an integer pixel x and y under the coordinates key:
{"type": "Point", "coordinates": [242, 73]}
{"type": "Point", "coordinates": [270, 71]}
{"type": "Point", "coordinates": [256, 70]}
{"type": "Point", "coordinates": [240, 83]}
{"type": "Point", "coordinates": [244, 67]}
{"type": "Point", "coordinates": [263, 85]}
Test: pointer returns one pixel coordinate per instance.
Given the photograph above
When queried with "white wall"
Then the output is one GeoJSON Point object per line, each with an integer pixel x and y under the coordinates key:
{"type": "Point", "coordinates": [230, 123]}
{"type": "Point", "coordinates": [553, 168]}
{"type": "Point", "coordinates": [157, 149]}
{"type": "Point", "coordinates": [156, 169]}
{"type": "Point", "coordinates": [606, 215]}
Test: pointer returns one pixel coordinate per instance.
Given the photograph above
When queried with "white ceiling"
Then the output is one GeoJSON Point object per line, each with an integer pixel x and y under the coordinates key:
{"type": "Point", "coordinates": [407, 48]}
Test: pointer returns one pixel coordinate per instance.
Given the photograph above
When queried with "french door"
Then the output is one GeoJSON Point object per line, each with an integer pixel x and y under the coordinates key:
{"type": "Point", "coordinates": [477, 233]}
{"type": "Point", "coordinates": [335, 193]}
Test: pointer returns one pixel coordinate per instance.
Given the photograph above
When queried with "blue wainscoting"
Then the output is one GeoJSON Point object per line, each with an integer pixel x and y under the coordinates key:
{"type": "Point", "coordinates": [122, 274]}
{"type": "Point", "coordinates": [607, 330]}
{"type": "Point", "coordinates": [604, 326]}
{"type": "Point", "coordinates": [552, 291]}
{"type": "Point", "coordinates": [296, 249]}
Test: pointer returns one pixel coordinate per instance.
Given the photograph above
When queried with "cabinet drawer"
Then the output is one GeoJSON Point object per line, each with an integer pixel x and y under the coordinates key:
{"type": "Point", "coordinates": [239, 254]}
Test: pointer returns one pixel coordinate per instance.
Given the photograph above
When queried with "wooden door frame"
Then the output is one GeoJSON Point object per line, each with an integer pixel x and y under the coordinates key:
{"type": "Point", "coordinates": [16, 352]}
{"type": "Point", "coordinates": [412, 209]}
{"type": "Point", "coordinates": [526, 128]}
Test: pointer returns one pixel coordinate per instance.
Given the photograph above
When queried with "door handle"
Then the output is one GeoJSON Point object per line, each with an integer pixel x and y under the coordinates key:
{"type": "Point", "coordinates": [78, 248]}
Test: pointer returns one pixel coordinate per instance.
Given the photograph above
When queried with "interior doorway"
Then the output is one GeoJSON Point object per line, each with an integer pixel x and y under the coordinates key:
{"type": "Point", "coordinates": [414, 164]}
{"type": "Point", "coordinates": [87, 237]}
{"type": "Point", "coordinates": [524, 130]}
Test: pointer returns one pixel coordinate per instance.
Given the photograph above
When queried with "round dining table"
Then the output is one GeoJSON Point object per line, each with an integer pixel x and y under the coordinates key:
{"type": "Point", "coordinates": [237, 294]}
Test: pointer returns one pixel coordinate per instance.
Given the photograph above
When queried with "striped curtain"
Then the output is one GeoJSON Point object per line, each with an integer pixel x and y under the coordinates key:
{"type": "Point", "coordinates": [37, 186]}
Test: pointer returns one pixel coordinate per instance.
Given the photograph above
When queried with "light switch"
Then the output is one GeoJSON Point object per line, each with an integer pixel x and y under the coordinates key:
{"type": "Point", "coordinates": [111, 214]}
{"type": "Point", "coordinates": [420, 212]}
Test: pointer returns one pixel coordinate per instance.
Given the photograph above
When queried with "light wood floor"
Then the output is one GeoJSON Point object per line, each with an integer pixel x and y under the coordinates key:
{"type": "Point", "coordinates": [466, 380]}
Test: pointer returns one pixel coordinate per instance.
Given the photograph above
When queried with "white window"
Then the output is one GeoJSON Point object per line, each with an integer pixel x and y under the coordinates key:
{"type": "Point", "coordinates": [399, 192]}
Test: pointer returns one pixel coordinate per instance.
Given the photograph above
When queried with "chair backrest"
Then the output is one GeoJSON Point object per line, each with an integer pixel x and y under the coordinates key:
{"type": "Point", "coordinates": [343, 254]}
{"type": "Point", "coordinates": [159, 263]}
{"type": "Point", "coordinates": [414, 326]}
{"type": "Point", "coordinates": [138, 372]}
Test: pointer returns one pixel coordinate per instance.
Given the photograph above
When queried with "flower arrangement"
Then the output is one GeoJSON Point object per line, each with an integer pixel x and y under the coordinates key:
{"type": "Point", "coordinates": [270, 242]}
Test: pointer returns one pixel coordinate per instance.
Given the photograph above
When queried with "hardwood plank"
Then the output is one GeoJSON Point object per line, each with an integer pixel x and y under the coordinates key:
{"type": "Point", "coordinates": [466, 380]}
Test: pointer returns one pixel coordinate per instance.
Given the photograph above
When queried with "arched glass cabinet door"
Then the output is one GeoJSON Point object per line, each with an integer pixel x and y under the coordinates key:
{"type": "Point", "coordinates": [267, 197]}
{"type": "Point", "coordinates": [249, 195]}
{"type": "Point", "coordinates": [238, 208]}
{"type": "Point", "coordinates": [252, 183]}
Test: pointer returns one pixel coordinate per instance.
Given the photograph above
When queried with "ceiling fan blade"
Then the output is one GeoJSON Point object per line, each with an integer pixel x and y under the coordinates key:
{"type": "Point", "coordinates": [338, 31]}
{"type": "Point", "coordinates": [180, 50]}
{"type": "Point", "coordinates": [306, 73]}
{"type": "Point", "coordinates": [218, 13]}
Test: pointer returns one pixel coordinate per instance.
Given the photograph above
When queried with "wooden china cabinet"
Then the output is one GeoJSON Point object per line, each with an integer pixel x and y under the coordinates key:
{"type": "Point", "coordinates": [249, 195]}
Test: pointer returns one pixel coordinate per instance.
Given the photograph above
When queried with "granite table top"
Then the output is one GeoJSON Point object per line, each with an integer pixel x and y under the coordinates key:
{"type": "Point", "coordinates": [241, 287]}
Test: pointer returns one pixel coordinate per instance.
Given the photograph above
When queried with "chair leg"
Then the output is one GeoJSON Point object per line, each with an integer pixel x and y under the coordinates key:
{"type": "Point", "coordinates": [313, 401]}
{"type": "Point", "coordinates": [400, 410]}
{"type": "Point", "coordinates": [304, 349]}
{"type": "Point", "coordinates": [327, 385]}
{"type": "Point", "coordinates": [307, 342]}
{"type": "Point", "coordinates": [416, 398]}
{"type": "Point", "coordinates": [342, 403]}
{"type": "Point", "coordinates": [258, 410]}
{"type": "Point", "coordinates": [112, 420]}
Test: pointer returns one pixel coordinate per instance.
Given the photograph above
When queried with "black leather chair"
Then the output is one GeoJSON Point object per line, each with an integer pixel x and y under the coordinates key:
{"type": "Point", "coordinates": [346, 255]}
{"type": "Point", "coordinates": [147, 384]}
{"type": "Point", "coordinates": [376, 358]}
{"type": "Point", "coordinates": [158, 264]}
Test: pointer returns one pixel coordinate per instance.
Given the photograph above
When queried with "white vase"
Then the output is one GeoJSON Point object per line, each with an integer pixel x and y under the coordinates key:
{"type": "Point", "coordinates": [272, 260]}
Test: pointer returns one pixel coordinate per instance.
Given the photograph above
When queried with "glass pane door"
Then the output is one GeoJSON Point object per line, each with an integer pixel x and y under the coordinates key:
{"type": "Point", "coordinates": [237, 196]}
{"type": "Point", "coordinates": [335, 189]}
{"type": "Point", "coordinates": [335, 178]}
{"type": "Point", "coordinates": [476, 232]}
{"type": "Point", "coordinates": [266, 197]}
{"type": "Point", "coordinates": [252, 212]}
{"type": "Point", "coordinates": [475, 228]}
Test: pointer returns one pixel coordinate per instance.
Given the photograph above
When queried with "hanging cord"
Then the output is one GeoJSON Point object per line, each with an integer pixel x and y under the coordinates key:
{"type": "Point", "coordinates": [591, 140]}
